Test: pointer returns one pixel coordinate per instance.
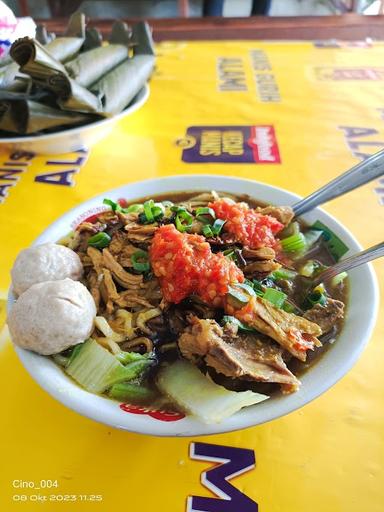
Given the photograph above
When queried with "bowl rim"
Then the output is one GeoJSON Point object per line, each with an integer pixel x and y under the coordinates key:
{"type": "Point", "coordinates": [32, 362]}
{"type": "Point", "coordinates": [137, 101]}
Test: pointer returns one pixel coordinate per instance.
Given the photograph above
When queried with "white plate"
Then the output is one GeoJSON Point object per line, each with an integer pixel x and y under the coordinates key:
{"type": "Point", "coordinates": [360, 319]}
{"type": "Point", "coordinates": [73, 139]}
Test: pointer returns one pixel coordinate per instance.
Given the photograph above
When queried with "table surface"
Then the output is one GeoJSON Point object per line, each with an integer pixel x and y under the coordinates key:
{"type": "Point", "coordinates": [347, 27]}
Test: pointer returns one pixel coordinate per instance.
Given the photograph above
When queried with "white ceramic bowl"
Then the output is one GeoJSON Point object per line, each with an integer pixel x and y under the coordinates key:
{"type": "Point", "coordinates": [73, 139]}
{"type": "Point", "coordinates": [360, 318]}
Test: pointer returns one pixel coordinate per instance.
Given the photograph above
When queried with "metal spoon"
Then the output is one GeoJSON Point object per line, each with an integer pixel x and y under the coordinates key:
{"type": "Point", "coordinates": [307, 284]}
{"type": "Point", "coordinates": [376, 251]}
{"type": "Point", "coordinates": [360, 174]}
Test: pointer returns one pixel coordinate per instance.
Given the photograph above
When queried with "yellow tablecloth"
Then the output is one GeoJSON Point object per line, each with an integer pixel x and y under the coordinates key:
{"type": "Point", "coordinates": [313, 110]}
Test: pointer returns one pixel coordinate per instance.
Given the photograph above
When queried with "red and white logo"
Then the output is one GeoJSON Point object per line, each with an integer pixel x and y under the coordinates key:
{"type": "Point", "coordinates": [264, 144]}
{"type": "Point", "coordinates": [157, 414]}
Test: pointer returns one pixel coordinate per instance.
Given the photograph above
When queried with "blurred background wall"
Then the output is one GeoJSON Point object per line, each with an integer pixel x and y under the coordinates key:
{"type": "Point", "coordinates": [171, 8]}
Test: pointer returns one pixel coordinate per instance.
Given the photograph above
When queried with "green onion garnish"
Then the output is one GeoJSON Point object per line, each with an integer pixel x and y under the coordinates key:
{"type": "Point", "coordinates": [283, 273]}
{"type": "Point", "coordinates": [288, 307]}
{"type": "Point", "coordinates": [140, 261]}
{"type": "Point", "coordinates": [308, 269]}
{"type": "Point", "coordinates": [217, 226]}
{"type": "Point", "coordinates": [203, 212]}
{"type": "Point", "coordinates": [158, 211]}
{"type": "Point", "coordinates": [183, 220]}
{"type": "Point", "coordinates": [152, 212]}
{"type": "Point", "coordinates": [100, 240]}
{"type": "Point", "coordinates": [316, 297]}
{"type": "Point", "coordinates": [148, 205]}
{"type": "Point", "coordinates": [227, 319]}
{"type": "Point", "coordinates": [237, 298]}
{"type": "Point", "coordinates": [293, 243]}
{"type": "Point", "coordinates": [207, 231]}
{"type": "Point", "coordinates": [275, 297]}
{"type": "Point", "coordinates": [133, 208]}
{"type": "Point", "coordinates": [258, 287]}
{"type": "Point", "coordinates": [115, 206]}
{"type": "Point", "coordinates": [248, 288]}
{"type": "Point", "coordinates": [335, 281]}
{"type": "Point", "coordinates": [230, 254]}
{"type": "Point", "coordinates": [176, 208]}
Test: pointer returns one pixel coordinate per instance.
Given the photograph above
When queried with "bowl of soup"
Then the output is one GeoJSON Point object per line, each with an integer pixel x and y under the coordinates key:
{"type": "Point", "coordinates": [205, 320]}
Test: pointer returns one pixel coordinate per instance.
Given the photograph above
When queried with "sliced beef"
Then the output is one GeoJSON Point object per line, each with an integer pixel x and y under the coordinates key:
{"type": "Point", "coordinates": [326, 316]}
{"type": "Point", "coordinates": [283, 214]}
{"type": "Point", "coordinates": [246, 357]}
{"type": "Point", "coordinates": [294, 333]}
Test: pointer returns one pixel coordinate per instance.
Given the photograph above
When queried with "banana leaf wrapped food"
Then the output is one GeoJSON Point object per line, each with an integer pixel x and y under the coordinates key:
{"type": "Point", "coordinates": [117, 88]}
{"type": "Point", "coordinates": [47, 72]}
{"type": "Point", "coordinates": [63, 89]}
{"type": "Point", "coordinates": [43, 36]}
{"type": "Point", "coordinates": [90, 66]}
{"type": "Point", "coordinates": [61, 48]}
{"type": "Point", "coordinates": [93, 39]}
{"type": "Point", "coordinates": [22, 115]}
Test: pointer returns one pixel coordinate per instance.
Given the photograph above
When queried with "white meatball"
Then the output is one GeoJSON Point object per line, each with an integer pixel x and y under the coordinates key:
{"type": "Point", "coordinates": [52, 316]}
{"type": "Point", "coordinates": [46, 262]}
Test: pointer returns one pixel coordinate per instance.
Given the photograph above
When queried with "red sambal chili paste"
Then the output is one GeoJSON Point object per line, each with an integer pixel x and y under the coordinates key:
{"type": "Point", "coordinates": [250, 227]}
{"type": "Point", "coordinates": [185, 265]}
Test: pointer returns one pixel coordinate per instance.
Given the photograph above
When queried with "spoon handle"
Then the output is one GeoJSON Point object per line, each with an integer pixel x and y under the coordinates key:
{"type": "Point", "coordinates": [348, 263]}
{"type": "Point", "coordinates": [360, 174]}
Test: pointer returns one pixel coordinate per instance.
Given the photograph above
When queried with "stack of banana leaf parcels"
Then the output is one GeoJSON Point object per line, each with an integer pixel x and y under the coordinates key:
{"type": "Point", "coordinates": [52, 83]}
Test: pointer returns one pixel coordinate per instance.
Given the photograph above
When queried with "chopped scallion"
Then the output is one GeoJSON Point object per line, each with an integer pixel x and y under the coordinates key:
{"type": "Point", "coordinates": [183, 220]}
{"type": "Point", "coordinates": [288, 307]}
{"type": "Point", "coordinates": [158, 211]}
{"type": "Point", "coordinates": [229, 253]}
{"type": "Point", "coordinates": [291, 229]}
{"type": "Point", "coordinates": [293, 243]}
{"type": "Point", "coordinates": [207, 231]}
{"type": "Point", "coordinates": [140, 261]}
{"type": "Point", "coordinates": [237, 298]}
{"type": "Point", "coordinates": [275, 297]}
{"type": "Point", "coordinates": [258, 287]}
{"type": "Point", "coordinates": [100, 240]}
{"type": "Point", "coordinates": [148, 205]}
{"type": "Point", "coordinates": [248, 288]}
{"type": "Point", "coordinates": [316, 297]}
{"type": "Point", "coordinates": [335, 281]}
{"type": "Point", "coordinates": [283, 273]}
{"type": "Point", "coordinates": [227, 319]}
{"type": "Point", "coordinates": [203, 213]}
{"type": "Point", "coordinates": [133, 208]}
{"type": "Point", "coordinates": [217, 226]}
{"type": "Point", "coordinates": [115, 206]}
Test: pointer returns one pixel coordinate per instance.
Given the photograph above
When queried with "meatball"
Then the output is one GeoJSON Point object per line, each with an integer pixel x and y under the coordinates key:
{"type": "Point", "coordinates": [52, 316]}
{"type": "Point", "coordinates": [46, 262]}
